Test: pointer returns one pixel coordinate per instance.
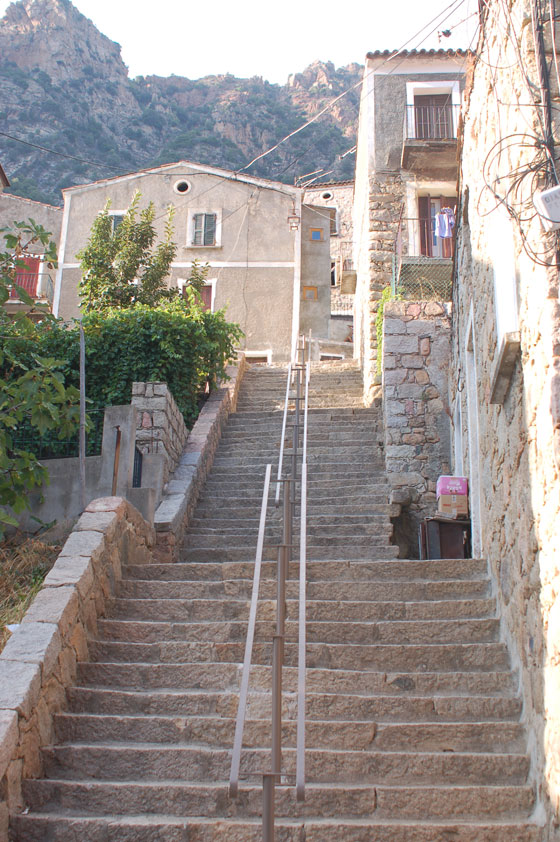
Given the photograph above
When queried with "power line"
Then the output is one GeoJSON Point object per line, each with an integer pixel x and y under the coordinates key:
{"type": "Point", "coordinates": [455, 3]}
{"type": "Point", "coordinates": [61, 154]}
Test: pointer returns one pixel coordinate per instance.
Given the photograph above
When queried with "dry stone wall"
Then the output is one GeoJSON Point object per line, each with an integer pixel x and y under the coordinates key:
{"type": "Point", "coordinates": [511, 446]}
{"type": "Point", "coordinates": [375, 268]}
{"type": "Point", "coordinates": [416, 358]}
{"type": "Point", "coordinates": [160, 424]}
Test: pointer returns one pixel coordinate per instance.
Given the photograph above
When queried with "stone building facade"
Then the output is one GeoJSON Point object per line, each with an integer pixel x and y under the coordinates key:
{"type": "Point", "coordinates": [505, 376]}
{"type": "Point", "coordinates": [416, 416]}
{"type": "Point", "coordinates": [405, 175]}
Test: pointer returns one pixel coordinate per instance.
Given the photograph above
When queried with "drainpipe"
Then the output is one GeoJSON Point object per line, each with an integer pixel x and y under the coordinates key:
{"type": "Point", "coordinates": [297, 278]}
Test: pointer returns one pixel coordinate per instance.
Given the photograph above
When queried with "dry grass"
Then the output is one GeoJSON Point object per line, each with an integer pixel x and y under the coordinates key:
{"type": "Point", "coordinates": [24, 563]}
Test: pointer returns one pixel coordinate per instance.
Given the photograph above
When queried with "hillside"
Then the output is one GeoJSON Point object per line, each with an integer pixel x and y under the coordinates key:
{"type": "Point", "coordinates": [65, 87]}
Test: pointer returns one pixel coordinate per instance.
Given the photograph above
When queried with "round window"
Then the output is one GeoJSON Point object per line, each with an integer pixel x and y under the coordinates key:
{"type": "Point", "coordinates": [182, 186]}
{"type": "Point", "coordinates": [327, 195]}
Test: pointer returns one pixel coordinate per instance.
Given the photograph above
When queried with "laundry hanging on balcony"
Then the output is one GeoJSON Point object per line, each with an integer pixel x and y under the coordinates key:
{"type": "Point", "coordinates": [445, 223]}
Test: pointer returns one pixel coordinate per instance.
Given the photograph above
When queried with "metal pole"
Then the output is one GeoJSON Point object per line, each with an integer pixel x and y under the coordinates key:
{"type": "Point", "coordinates": [116, 461]}
{"type": "Point", "coordinates": [268, 807]}
{"type": "Point", "coordinates": [82, 444]}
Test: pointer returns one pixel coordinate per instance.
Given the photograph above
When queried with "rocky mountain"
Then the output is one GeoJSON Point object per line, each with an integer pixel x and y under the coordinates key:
{"type": "Point", "coordinates": [65, 88]}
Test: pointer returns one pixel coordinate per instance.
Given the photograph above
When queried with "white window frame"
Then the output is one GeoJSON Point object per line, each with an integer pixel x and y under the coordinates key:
{"type": "Point", "coordinates": [249, 355]}
{"type": "Point", "coordinates": [432, 88]}
{"type": "Point", "coordinates": [209, 282]}
{"type": "Point", "coordinates": [190, 227]}
{"type": "Point", "coordinates": [114, 213]}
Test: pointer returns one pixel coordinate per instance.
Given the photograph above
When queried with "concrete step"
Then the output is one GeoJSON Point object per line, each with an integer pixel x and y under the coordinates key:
{"type": "Point", "coordinates": [499, 738]}
{"type": "Point", "coordinates": [144, 761]}
{"type": "Point", "coordinates": [210, 677]}
{"type": "Point", "coordinates": [138, 619]}
{"type": "Point", "coordinates": [389, 656]}
{"type": "Point", "coordinates": [382, 570]}
{"type": "Point", "coordinates": [162, 828]}
{"type": "Point", "coordinates": [407, 594]}
{"type": "Point", "coordinates": [346, 551]}
{"type": "Point", "coordinates": [330, 611]}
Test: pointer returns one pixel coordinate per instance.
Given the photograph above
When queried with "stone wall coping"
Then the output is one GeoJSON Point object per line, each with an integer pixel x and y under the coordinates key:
{"type": "Point", "coordinates": [39, 661]}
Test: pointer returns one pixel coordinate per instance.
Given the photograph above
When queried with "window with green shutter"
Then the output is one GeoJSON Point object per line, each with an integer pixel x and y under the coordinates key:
{"type": "Point", "coordinates": [204, 229]}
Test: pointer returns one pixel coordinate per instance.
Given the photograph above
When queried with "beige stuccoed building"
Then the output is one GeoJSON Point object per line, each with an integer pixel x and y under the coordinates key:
{"type": "Point", "coordinates": [268, 252]}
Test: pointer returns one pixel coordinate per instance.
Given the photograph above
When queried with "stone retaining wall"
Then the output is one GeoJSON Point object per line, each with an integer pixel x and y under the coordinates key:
{"type": "Point", "coordinates": [416, 359]}
{"type": "Point", "coordinates": [39, 662]}
{"type": "Point", "coordinates": [160, 424]}
{"type": "Point", "coordinates": [175, 510]}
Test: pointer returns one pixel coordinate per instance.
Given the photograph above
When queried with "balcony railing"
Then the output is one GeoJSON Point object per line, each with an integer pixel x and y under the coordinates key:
{"type": "Point", "coordinates": [431, 122]}
{"type": "Point", "coordinates": [40, 287]}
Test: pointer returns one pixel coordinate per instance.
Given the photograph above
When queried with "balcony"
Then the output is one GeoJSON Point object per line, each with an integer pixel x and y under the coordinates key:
{"type": "Point", "coordinates": [38, 286]}
{"type": "Point", "coordinates": [422, 261]}
{"type": "Point", "coordinates": [430, 140]}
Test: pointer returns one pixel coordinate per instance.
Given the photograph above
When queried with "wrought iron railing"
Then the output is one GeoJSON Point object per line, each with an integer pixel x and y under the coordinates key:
{"type": "Point", "coordinates": [431, 122]}
{"type": "Point", "coordinates": [287, 482]}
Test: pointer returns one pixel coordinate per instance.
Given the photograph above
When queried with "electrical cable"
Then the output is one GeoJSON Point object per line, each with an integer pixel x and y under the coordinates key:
{"type": "Point", "coordinates": [456, 4]}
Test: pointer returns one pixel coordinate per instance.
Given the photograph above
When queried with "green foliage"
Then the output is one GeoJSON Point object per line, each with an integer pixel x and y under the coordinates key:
{"type": "Point", "coordinates": [386, 295]}
{"type": "Point", "coordinates": [32, 389]}
{"type": "Point", "coordinates": [122, 267]}
{"type": "Point", "coordinates": [178, 342]}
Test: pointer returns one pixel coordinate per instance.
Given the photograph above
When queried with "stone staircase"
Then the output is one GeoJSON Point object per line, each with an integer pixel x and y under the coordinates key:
{"type": "Point", "coordinates": [413, 731]}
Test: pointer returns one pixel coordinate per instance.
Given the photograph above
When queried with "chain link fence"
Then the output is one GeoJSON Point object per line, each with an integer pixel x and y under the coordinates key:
{"type": "Point", "coordinates": [422, 278]}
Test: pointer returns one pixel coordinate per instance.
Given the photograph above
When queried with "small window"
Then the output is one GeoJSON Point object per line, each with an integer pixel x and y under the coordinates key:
{"type": "Point", "coordinates": [181, 187]}
{"type": "Point", "coordinates": [310, 293]}
{"type": "Point", "coordinates": [116, 220]}
{"type": "Point", "coordinates": [316, 234]}
{"type": "Point", "coordinates": [204, 229]}
{"type": "Point", "coordinates": [328, 195]}
{"type": "Point", "coordinates": [333, 213]}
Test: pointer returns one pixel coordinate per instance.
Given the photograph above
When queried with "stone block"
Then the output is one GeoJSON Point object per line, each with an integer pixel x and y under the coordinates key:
{"type": "Point", "coordinates": [412, 361]}
{"type": "Point", "coordinates": [9, 736]}
{"type": "Point", "coordinates": [97, 522]}
{"type": "Point", "coordinates": [69, 570]}
{"type": "Point", "coordinates": [400, 344]}
{"type": "Point", "coordinates": [54, 605]}
{"type": "Point", "coordinates": [394, 327]}
{"type": "Point", "coordinates": [161, 389]}
{"type": "Point", "coordinates": [34, 643]}
{"type": "Point", "coordinates": [20, 686]}
{"type": "Point", "coordinates": [89, 544]}
{"type": "Point", "coordinates": [419, 327]}
{"type": "Point", "coordinates": [107, 504]}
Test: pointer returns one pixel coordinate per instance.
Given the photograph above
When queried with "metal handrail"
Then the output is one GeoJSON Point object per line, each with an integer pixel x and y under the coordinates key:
{"type": "Point", "coordinates": [284, 423]}
{"type": "Point", "coordinates": [275, 776]}
{"type": "Point", "coordinates": [241, 710]}
{"type": "Point", "coordinates": [300, 738]}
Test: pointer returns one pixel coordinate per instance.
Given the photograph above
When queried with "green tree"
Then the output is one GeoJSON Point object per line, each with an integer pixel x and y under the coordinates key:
{"type": "Point", "coordinates": [121, 265]}
{"type": "Point", "coordinates": [32, 390]}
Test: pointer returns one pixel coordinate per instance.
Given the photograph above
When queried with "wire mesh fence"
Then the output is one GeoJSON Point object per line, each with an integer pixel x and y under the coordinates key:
{"type": "Point", "coordinates": [423, 278]}
{"type": "Point", "coordinates": [49, 446]}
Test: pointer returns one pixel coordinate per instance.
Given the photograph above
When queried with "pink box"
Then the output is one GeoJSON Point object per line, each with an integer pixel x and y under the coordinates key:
{"type": "Point", "coordinates": [452, 485]}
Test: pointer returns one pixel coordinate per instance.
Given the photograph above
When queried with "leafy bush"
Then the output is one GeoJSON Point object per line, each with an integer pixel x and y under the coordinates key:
{"type": "Point", "coordinates": [178, 342]}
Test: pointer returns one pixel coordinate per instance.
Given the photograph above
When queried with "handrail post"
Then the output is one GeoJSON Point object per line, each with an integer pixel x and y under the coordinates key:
{"type": "Point", "coordinates": [269, 781]}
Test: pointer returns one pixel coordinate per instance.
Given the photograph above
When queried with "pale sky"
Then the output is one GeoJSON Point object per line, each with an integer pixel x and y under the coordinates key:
{"type": "Point", "coordinates": [272, 40]}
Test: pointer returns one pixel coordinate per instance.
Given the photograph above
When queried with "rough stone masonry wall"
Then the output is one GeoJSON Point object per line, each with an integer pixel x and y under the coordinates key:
{"type": "Point", "coordinates": [39, 662]}
{"type": "Point", "coordinates": [175, 510]}
{"type": "Point", "coordinates": [416, 358]}
{"type": "Point", "coordinates": [161, 428]}
{"type": "Point", "coordinates": [519, 457]}
{"type": "Point", "coordinates": [386, 196]}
